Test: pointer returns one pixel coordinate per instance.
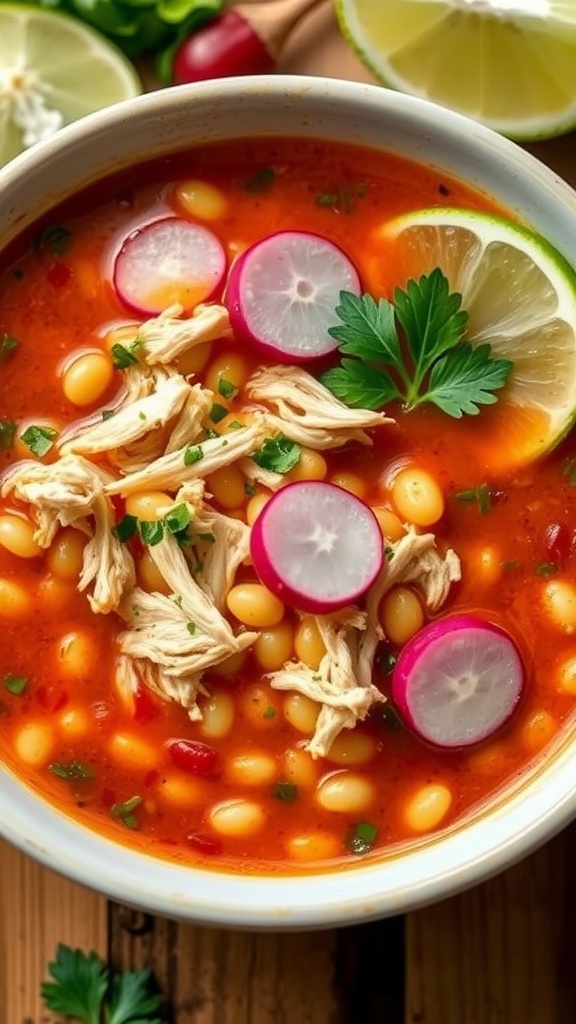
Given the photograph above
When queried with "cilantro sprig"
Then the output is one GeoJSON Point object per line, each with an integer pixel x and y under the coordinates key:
{"type": "Point", "coordinates": [412, 350]}
{"type": "Point", "coordinates": [84, 990]}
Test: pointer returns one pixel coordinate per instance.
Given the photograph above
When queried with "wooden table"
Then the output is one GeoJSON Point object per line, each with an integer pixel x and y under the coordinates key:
{"type": "Point", "coordinates": [501, 953]}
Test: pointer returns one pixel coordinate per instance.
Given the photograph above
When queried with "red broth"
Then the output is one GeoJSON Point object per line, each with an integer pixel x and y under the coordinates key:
{"type": "Point", "coordinates": [103, 757]}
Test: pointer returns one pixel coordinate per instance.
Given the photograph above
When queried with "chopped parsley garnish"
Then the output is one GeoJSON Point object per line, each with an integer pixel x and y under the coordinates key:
{"type": "Point", "coordinates": [124, 356]}
{"type": "Point", "coordinates": [191, 627]}
{"type": "Point", "coordinates": [218, 412]}
{"type": "Point", "coordinates": [235, 425]}
{"type": "Point", "coordinates": [427, 360]}
{"type": "Point", "coordinates": [270, 712]}
{"type": "Point", "coordinates": [85, 990]}
{"type": "Point", "coordinates": [480, 495]}
{"type": "Point", "coordinates": [546, 569]}
{"type": "Point", "coordinates": [125, 528]}
{"type": "Point", "coordinates": [39, 439]}
{"type": "Point", "coordinates": [285, 791]}
{"type": "Point", "coordinates": [55, 237]}
{"type": "Point", "coordinates": [15, 684]}
{"type": "Point", "coordinates": [278, 454]}
{"type": "Point", "coordinates": [389, 553]}
{"type": "Point", "coordinates": [249, 488]}
{"type": "Point", "coordinates": [342, 199]}
{"type": "Point", "coordinates": [71, 771]}
{"type": "Point", "coordinates": [261, 181]}
{"type": "Point", "coordinates": [193, 454]}
{"type": "Point", "coordinates": [226, 388]}
{"type": "Point", "coordinates": [107, 414]}
{"type": "Point", "coordinates": [361, 838]}
{"type": "Point", "coordinates": [125, 811]}
{"type": "Point", "coordinates": [7, 434]}
{"type": "Point", "coordinates": [8, 345]}
{"type": "Point", "coordinates": [151, 531]}
{"type": "Point", "coordinates": [178, 518]}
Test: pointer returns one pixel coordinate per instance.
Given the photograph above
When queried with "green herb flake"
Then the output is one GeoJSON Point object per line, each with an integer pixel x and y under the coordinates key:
{"type": "Point", "coordinates": [107, 414]}
{"type": "Point", "coordinates": [178, 518]}
{"type": "Point", "coordinates": [361, 838]}
{"type": "Point", "coordinates": [7, 434]}
{"type": "Point", "coordinates": [235, 425]}
{"type": "Point", "coordinates": [191, 627]}
{"type": "Point", "coordinates": [71, 771]}
{"type": "Point", "coordinates": [389, 553]}
{"type": "Point", "coordinates": [55, 238]}
{"type": "Point", "coordinates": [8, 346]}
{"type": "Point", "coordinates": [569, 470]}
{"type": "Point", "coordinates": [226, 388]}
{"type": "Point", "coordinates": [84, 989]}
{"type": "Point", "coordinates": [15, 684]}
{"type": "Point", "coordinates": [327, 199]}
{"type": "Point", "coordinates": [287, 792]}
{"type": "Point", "coordinates": [151, 531]}
{"type": "Point", "coordinates": [270, 712]}
{"type": "Point", "coordinates": [125, 528]}
{"type": "Point", "coordinates": [125, 811]}
{"type": "Point", "coordinates": [261, 181]}
{"type": "Point", "coordinates": [546, 569]}
{"type": "Point", "coordinates": [218, 412]}
{"type": "Point", "coordinates": [481, 496]}
{"type": "Point", "coordinates": [249, 488]}
{"type": "Point", "coordinates": [39, 439]}
{"type": "Point", "coordinates": [210, 434]}
{"type": "Point", "coordinates": [278, 454]}
{"type": "Point", "coordinates": [177, 598]}
{"type": "Point", "coordinates": [413, 351]}
{"type": "Point", "coordinates": [124, 356]}
{"type": "Point", "coordinates": [193, 454]}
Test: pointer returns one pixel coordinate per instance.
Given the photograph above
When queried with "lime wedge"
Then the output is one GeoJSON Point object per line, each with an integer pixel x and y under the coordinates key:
{"type": "Point", "coordinates": [507, 63]}
{"type": "Point", "coordinates": [520, 296]}
{"type": "Point", "coordinates": [53, 70]}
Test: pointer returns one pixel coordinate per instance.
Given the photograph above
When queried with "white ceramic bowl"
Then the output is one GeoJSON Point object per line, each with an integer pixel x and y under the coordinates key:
{"type": "Point", "coordinates": [520, 818]}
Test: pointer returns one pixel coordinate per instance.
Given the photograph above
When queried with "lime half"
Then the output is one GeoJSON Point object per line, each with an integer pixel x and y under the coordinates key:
{"type": "Point", "coordinates": [520, 296]}
{"type": "Point", "coordinates": [507, 63]}
{"type": "Point", "coordinates": [53, 70]}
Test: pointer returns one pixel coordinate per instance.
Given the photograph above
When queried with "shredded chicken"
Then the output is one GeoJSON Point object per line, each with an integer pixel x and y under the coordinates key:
{"type": "Point", "coordinates": [223, 553]}
{"type": "Point", "coordinates": [342, 684]}
{"type": "Point", "coordinates": [169, 471]}
{"type": "Point", "coordinates": [334, 684]}
{"type": "Point", "coordinates": [167, 336]}
{"type": "Point", "coordinates": [412, 559]}
{"type": "Point", "coordinates": [134, 420]}
{"type": "Point", "coordinates": [173, 640]}
{"type": "Point", "coordinates": [300, 407]}
{"type": "Point", "coordinates": [71, 492]}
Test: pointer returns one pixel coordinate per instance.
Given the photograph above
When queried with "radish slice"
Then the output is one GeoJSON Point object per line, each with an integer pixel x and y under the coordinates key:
{"type": "Point", "coordinates": [457, 681]}
{"type": "Point", "coordinates": [316, 546]}
{"type": "Point", "coordinates": [167, 261]}
{"type": "Point", "coordinates": [282, 293]}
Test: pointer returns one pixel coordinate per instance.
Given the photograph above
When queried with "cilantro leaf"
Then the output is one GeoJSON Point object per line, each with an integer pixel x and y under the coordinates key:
{"type": "Point", "coordinates": [70, 771]}
{"type": "Point", "coordinates": [278, 454]}
{"type": "Point", "coordinates": [7, 434]}
{"type": "Point", "coordinates": [130, 1001]}
{"type": "Point", "coordinates": [39, 439]}
{"type": "Point", "coordinates": [413, 350]}
{"type": "Point", "coordinates": [78, 987]}
{"type": "Point", "coordinates": [360, 384]}
{"type": "Point", "coordinates": [465, 378]}
{"type": "Point", "coordinates": [151, 531]}
{"type": "Point", "coordinates": [432, 320]}
{"type": "Point", "coordinates": [368, 330]}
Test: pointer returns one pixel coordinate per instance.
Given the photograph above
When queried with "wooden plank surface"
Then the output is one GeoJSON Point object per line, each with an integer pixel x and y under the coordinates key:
{"type": "Point", "coordinates": [501, 953]}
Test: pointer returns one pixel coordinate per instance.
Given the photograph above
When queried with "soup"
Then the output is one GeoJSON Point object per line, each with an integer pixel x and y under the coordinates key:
{"type": "Point", "coordinates": [152, 686]}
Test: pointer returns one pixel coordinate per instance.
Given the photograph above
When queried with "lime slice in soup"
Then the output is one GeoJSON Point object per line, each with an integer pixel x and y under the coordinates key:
{"type": "Point", "coordinates": [508, 64]}
{"type": "Point", "coordinates": [520, 296]}
{"type": "Point", "coordinates": [53, 70]}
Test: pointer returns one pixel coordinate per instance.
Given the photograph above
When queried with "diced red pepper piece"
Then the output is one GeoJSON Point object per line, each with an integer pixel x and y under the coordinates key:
{"type": "Point", "coordinates": [195, 757]}
{"type": "Point", "coordinates": [558, 543]}
{"type": "Point", "coordinates": [51, 697]}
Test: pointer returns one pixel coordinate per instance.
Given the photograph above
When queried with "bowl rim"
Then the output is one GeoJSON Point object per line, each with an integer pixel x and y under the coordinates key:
{"type": "Point", "coordinates": [370, 889]}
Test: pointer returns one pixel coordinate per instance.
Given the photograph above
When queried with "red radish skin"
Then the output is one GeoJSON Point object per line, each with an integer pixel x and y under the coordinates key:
{"type": "Point", "coordinates": [282, 292]}
{"type": "Point", "coordinates": [316, 546]}
{"type": "Point", "coordinates": [170, 260]}
{"type": "Point", "coordinates": [225, 47]}
{"type": "Point", "coordinates": [457, 681]}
